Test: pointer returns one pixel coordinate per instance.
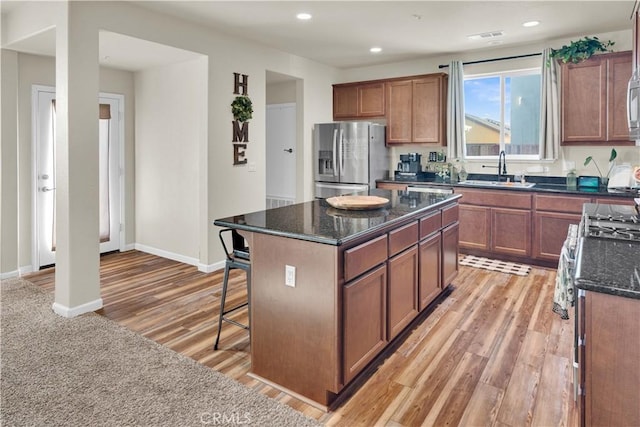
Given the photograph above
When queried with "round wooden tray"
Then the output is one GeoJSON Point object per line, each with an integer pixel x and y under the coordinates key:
{"type": "Point", "coordinates": [357, 203]}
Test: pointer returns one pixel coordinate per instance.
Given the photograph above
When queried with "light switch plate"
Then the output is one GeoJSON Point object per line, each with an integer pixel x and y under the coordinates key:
{"type": "Point", "coordinates": [290, 276]}
{"type": "Point", "coordinates": [252, 166]}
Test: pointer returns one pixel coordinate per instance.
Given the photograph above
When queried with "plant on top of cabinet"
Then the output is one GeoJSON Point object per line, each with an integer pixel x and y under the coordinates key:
{"type": "Point", "coordinates": [578, 51]}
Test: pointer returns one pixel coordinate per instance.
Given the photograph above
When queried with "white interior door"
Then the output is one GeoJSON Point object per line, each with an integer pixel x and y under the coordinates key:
{"type": "Point", "coordinates": [45, 175]}
{"type": "Point", "coordinates": [281, 152]}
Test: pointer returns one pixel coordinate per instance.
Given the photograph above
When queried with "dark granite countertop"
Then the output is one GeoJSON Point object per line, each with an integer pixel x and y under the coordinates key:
{"type": "Point", "coordinates": [317, 221]}
{"type": "Point", "coordinates": [543, 184]}
{"type": "Point", "coordinates": [609, 266]}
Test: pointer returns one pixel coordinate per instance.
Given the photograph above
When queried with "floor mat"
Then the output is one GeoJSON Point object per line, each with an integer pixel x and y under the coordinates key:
{"type": "Point", "coordinates": [495, 265]}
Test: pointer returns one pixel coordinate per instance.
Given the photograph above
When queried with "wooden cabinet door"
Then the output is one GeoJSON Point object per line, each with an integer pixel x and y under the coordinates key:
{"type": "Point", "coordinates": [427, 110]}
{"type": "Point", "coordinates": [612, 352]}
{"type": "Point", "coordinates": [550, 232]}
{"type": "Point", "coordinates": [618, 75]}
{"type": "Point", "coordinates": [371, 100]}
{"type": "Point", "coordinates": [584, 101]}
{"type": "Point", "coordinates": [511, 231]}
{"type": "Point", "coordinates": [450, 254]}
{"type": "Point", "coordinates": [430, 275]}
{"type": "Point", "coordinates": [475, 227]}
{"type": "Point", "coordinates": [345, 102]}
{"type": "Point", "coordinates": [399, 111]}
{"type": "Point", "coordinates": [365, 321]}
{"type": "Point", "coordinates": [402, 293]}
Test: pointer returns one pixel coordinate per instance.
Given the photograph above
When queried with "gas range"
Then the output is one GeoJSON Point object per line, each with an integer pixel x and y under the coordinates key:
{"type": "Point", "coordinates": [620, 222]}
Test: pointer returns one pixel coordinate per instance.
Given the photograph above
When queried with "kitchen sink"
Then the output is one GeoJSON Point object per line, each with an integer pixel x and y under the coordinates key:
{"type": "Point", "coordinates": [481, 183]}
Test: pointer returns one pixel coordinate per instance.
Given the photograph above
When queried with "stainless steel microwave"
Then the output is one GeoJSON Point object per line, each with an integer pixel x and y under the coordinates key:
{"type": "Point", "coordinates": [633, 107]}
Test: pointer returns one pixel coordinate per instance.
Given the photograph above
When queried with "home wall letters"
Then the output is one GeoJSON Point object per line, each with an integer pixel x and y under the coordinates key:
{"type": "Point", "coordinates": [242, 109]}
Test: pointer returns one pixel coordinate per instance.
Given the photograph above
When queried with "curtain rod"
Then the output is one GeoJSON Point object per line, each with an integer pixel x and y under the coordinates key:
{"type": "Point", "coordinates": [494, 59]}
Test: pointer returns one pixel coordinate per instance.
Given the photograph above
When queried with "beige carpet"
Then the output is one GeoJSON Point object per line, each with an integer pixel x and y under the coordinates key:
{"type": "Point", "coordinates": [91, 371]}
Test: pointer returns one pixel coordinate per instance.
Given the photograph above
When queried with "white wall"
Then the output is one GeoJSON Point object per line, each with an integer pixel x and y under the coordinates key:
{"type": "Point", "coordinates": [576, 154]}
{"type": "Point", "coordinates": [170, 120]}
{"type": "Point", "coordinates": [281, 93]}
{"type": "Point", "coordinates": [224, 189]}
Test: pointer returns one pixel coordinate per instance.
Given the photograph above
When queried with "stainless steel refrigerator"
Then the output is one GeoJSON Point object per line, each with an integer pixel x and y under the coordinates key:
{"type": "Point", "coordinates": [348, 157]}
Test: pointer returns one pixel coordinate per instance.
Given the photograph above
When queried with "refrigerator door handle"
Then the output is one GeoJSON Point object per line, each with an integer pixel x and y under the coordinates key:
{"type": "Point", "coordinates": [335, 146]}
{"type": "Point", "coordinates": [341, 160]}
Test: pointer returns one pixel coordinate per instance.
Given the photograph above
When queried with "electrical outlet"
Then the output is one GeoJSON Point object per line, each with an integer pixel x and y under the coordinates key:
{"type": "Point", "coordinates": [290, 276]}
{"type": "Point", "coordinates": [252, 166]}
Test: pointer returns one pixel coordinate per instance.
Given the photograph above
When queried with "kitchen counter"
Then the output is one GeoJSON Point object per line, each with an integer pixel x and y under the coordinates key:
{"type": "Point", "coordinates": [609, 266]}
{"type": "Point", "coordinates": [543, 185]}
{"type": "Point", "coordinates": [316, 221]}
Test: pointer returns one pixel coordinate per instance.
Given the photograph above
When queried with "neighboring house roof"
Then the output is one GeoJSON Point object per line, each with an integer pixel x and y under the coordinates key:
{"type": "Point", "coordinates": [490, 123]}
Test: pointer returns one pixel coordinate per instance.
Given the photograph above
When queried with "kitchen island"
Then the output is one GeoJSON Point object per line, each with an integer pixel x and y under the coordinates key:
{"type": "Point", "coordinates": [332, 289]}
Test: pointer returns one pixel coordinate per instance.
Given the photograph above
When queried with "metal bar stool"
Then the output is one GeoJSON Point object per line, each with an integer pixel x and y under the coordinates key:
{"type": "Point", "coordinates": [237, 258]}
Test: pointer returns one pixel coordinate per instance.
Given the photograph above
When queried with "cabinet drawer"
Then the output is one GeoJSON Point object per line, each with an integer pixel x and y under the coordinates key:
{"type": "Point", "coordinates": [504, 199]}
{"type": "Point", "coordinates": [402, 238]}
{"type": "Point", "coordinates": [430, 224]}
{"type": "Point", "coordinates": [566, 204]}
{"type": "Point", "coordinates": [361, 258]}
{"type": "Point", "coordinates": [449, 215]}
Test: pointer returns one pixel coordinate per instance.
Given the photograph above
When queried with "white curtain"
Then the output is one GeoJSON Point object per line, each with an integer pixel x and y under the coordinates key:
{"type": "Point", "coordinates": [455, 111]}
{"type": "Point", "coordinates": [104, 157]}
{"type": "Point", "coordinates": [549, 107]}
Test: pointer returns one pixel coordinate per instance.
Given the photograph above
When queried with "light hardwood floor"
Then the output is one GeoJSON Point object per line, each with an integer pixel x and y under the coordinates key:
{"type": "Point", "coordinates": [492, 353]}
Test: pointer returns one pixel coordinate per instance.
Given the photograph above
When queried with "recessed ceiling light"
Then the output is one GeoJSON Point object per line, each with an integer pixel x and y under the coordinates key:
{"type": "Point", "coordinates": [375, 49]}
{"type": "Point", "coordinates": [303, 16]}
{"type": "Point", "coordinates": [531, 23]}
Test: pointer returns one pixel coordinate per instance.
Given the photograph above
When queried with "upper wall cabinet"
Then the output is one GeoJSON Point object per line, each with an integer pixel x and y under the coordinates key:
{"type": "Point", "coordinates": [594, 100]}
{"type": "Point", "coordinates": [416, 110]}
{"type": "Point", "coordinates": [358, 100]}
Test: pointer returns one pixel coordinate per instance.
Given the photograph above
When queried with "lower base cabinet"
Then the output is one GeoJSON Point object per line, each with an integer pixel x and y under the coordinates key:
{"type": "Point", "coordinates": [430, 269]}
{"type": "Point", "coordinates": [450, 253]}
{"type": "Point", "coordinates": [511, 231]}
{"type": "Point", "coordinates": [550, 232]}
{"type": "Point", "coordinates": [611, 374]}
{"type": "Point", "coordinates": [365, 326]}
{"type": "Point", "coordinates": [403, 290]}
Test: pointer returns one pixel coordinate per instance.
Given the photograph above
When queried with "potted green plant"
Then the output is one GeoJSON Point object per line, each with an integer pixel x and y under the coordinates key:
{"type": "Point", "coordinates": [580, 50]}
{"type": "Point", "coordinates": [242, 108]}
{"type": "Point", "coordinates": [603, 179]}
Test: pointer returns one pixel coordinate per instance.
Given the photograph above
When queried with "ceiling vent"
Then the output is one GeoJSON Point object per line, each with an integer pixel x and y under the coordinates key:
{"type": "Point", "coordinates": [487, 35]}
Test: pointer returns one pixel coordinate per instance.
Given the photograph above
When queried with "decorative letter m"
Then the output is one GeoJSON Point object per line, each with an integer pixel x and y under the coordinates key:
{"type": "Point", "coordinates": [240, 134]}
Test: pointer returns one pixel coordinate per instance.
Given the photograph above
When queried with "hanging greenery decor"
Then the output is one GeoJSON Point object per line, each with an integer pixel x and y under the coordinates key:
{"type": "Point", "coordinates": [241, 108]}
{"type": "Point", "coordinates": [580, 50]}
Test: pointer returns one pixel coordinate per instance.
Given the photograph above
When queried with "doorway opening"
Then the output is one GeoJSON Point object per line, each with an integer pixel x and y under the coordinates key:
{"type": "Point", "coordinates": [283, 136]}
{"type": "Point", "coordinates": [111, 133]}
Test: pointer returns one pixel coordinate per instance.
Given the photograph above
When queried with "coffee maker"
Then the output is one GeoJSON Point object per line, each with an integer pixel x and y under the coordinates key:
{"type": "Point", "coordinates": [409, 168]}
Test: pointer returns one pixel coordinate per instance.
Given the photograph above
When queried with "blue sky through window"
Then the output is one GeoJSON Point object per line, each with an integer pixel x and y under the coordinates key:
{"type": "Point", "coordinates": [482, 97]}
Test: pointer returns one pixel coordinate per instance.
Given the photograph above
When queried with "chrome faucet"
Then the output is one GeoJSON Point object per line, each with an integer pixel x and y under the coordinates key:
{"type": "Point", "coordinates": [502, 165]}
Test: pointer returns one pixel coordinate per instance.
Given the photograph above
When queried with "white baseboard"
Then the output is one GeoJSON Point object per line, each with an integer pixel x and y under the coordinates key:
{"type": "Point", "coordinates": [9, 275]}
{"type": "Point", "coordinates": [129, 247]}
{"type": "Point", "coordinates": [210, 268]}
{"type": "Point", "coordinates": [69, 312]}
{"type": "Point", "coordinates": [169, 255]}
{"type": "Point", "coordinates": [26, 269]}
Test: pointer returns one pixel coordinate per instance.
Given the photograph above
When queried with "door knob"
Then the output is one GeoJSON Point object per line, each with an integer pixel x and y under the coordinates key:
{"type": "Point", "coordinates": [289, 150]}
{"type": "Point", "coordinates": [45, 189]}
